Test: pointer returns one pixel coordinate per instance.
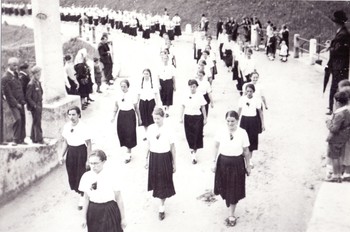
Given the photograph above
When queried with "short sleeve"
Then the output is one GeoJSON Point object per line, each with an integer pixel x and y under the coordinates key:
{"type": "Point", "coordinates": [258, 103]}
{"type": "Point", "coordinates": [83, 183]}
{"type": "Point", "coordinates": [245, 138]}
{"type": "Point", "coordinates": [201, 100]}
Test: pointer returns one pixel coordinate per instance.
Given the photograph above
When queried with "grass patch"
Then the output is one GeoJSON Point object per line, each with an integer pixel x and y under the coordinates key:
{"type": "Point", "coordinates": [19, 42]}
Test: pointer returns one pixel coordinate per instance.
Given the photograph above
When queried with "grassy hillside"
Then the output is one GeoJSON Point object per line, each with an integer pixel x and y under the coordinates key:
{"type": "Point", "coordinates": [308, 18]}
{"type": "Point", "coordinates": [19, 42]}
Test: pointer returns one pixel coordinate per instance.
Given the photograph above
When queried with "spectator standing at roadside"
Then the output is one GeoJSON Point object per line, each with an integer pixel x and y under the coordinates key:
{"type": "Point", "coordinates": [72, 85]}
{"type": "Point", "coordinates": [34, 97]}
{"type": "Point", "coordinates": [14, 96]}
{"type": "Point", "coordinates": [24, 76]}
{"type": "Point", "coordinates": [106, 58]}
{"type": "Point", "coordinates": [338, 63]}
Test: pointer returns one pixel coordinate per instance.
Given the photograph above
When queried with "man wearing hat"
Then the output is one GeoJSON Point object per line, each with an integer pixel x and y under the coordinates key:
{"type": "Point", "coordinates": [338, 63]}
{"type": "Point", "coordinates": [34, 97]}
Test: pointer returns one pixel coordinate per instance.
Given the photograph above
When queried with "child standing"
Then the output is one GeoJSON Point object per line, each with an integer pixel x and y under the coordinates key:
{"type": "Point", "coordinates": [98, 74]}
{"type": "Point", "coordinates": [284, 51]}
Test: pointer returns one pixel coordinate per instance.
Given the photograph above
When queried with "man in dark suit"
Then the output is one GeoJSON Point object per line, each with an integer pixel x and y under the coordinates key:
{"type": "Point", "coordinates": [14, 96]}
{"type": "Point", "coordinates": [106, 58]}
{"type": "Point", "coordinates": [338, 63]}
{"type": "Point", "coordinates": [24, 76]}
{"type": "Point", "coordinates": [34, 97]}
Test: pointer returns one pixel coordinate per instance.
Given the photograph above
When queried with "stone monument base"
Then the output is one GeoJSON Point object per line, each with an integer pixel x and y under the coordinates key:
{"type": "Point", "coordinates": [22, 165]}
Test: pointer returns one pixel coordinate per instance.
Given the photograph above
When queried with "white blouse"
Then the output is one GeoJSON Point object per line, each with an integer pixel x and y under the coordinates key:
{"type": "Point", "coordinates": [249, 105]}
{"type": "Point", "coordinates": [160, 138]}
{"type": "Point", "coordinates": [193, 103]}
{"type": "Point", "coordinates": [76, 135]}
{"type": "Point", "coordinates": [105, 182]}
{"type": "Point", "coordinates": [166, 72]}
{"type": "Point", "coordinates": [203, 86]}
{"type": "Point", "coordinates": [234, 146]}
{"type": "Point", "coordinates": [126, 101]}
{"type": "Point", "coordinates": [148, 91]}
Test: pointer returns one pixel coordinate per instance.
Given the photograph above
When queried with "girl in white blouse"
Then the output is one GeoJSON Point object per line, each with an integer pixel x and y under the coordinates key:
{"type": "Point", "coordinates": [249, 107]}
{"type": "Point", "coordinates": [194, 116]}
{"type": "Point", "coordinates": [77, 144]}
{"type": "Point", "coordinates": [161, 159]}
{"type": "Point", "coordinates": [204, 88]}
{"type": "Point", "coordinates": [103, 205]}
{"type": "Point", "coordinates": [147, 98]}
{"type": "Point", "coordinates": [126, 106]}
{"type": "Point", "coordinates": [231, 164]}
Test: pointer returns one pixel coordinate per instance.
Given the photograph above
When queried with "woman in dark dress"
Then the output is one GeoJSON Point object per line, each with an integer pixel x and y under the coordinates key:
{"type": "Point", "coordinates": [83, 75]}
{"type": "Point", "coordinates": [231, 164]}
{"type": "Point", "coordinates": [78, 146]}
{"type": "Point", "coordinates": [161, 160]}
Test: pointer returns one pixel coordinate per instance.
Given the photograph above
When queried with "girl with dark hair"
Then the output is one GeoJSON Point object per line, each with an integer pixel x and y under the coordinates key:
{"type": "Point", "coordinates": [231, 164]}
{"type": "Point", "coordinates": [125, 106]}
{"type": "Point", "coordinates": [166, 78]}
{"type": "Point", "coordinates": [77, 147]}
{"type": "Point", "coordinates": [103, 205]}
{"type": "Point", "coordinates": [161, 159]}
{"type": "Point", "coordinates": [194, 117]}
{"type": "Point", "coordinates": [249, 107]}
{"type": "Point", "coordinates": [147, 98]}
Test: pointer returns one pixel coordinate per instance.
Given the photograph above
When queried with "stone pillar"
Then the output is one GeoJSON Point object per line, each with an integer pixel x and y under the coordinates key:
{"type": "Point", "coordinates": [49, 56]}
{"type": "Point", "coordinates": [312, 51]}
{"type": "Point", "coordinates": [296, 45]}
{"type": "Point", "coordinates": [48, 48]}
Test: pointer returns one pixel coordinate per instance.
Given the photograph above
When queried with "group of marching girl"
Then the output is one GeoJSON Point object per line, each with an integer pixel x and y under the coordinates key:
{"type": "Point", "coordinates": [101, 201]}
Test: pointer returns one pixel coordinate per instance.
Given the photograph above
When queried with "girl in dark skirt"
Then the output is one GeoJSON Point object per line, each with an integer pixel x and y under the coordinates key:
{"type": "Point", "coordinates": [78, 146]}
{"type": "Point", "coordinates": [126, 105]}
{"type": "Point", "coordinates": [103, 205]}
{"type": "Point", "coordinates": [167, 82]}
{"type": "Point", "coordinates": [160, 160]}
{"type": "Point", "coordinates": [231, 164]}
{"type": "Point", "coordinates": [194, 117]}
{"type": "Point", "coordinates": [148, 97]}
{"type": "Point", "coordinates": [248, 106]}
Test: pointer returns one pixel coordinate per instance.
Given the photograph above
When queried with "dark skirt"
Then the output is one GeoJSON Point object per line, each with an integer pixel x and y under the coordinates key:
{"type": "Point", "coordinates": [146, 110]}
{"type": "Point", "coordinates": [229, 180]}
{"type": "Point", "coordinates": [76, 165]}
{"type": "Point", "coordinates": [178, 30]}
{"type": "Point", "coordinates": [171, 34]}
{"type": "Point", "coordinates": [194, 131]}
{"type": "Point", "coordinates": [160, 175]}
{"type": "Point", "coordinates": [207, 99]}
{"type": "Point", "coordinates": [103, 217]}
{"type": "Point", "coordinates": [146, 34]}
{"type": "Point", "coordinates": [126, 128]}
{"type": "Point", "coordinates": [228, 58]}
{"type": "Point", "coordinates": [167, 91]}
{"type": "Point", "coordinates": [252, 127]}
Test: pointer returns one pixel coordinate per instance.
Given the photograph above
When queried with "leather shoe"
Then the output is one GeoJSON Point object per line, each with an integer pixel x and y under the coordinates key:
{"type": "Point", "coordinates": [161, 216]}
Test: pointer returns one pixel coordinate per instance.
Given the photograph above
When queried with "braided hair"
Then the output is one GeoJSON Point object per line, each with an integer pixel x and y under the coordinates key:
{"type": "Point", "coordinates": [150, 76]}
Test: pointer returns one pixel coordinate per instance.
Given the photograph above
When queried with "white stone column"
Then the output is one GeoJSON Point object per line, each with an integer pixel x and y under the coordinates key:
{"type": "Point", "coordinates": [312, 51]}
{"type": "Point", "coordinates": [48, 48]}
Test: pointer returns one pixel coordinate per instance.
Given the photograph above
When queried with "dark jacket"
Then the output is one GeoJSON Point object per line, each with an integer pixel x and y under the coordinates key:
{"type": "Point", "coordinates": [103, 50]}
{"type": "Point", "coordinates": [12, 89]}
{"type": "Point", "coordinates": [339, 50]}
{"type": "Point", "coordinates": [24, 77]}
{"type": "Point", "coordinates": [34, 95]}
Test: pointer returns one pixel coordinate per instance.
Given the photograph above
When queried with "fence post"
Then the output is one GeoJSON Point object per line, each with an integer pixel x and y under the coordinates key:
{"type": "Point", "coordinates": [93, 34]}
{"type": "Point", "coordinates": [296, 45]}
{"type": "Point", "coordinates": [312, 51]}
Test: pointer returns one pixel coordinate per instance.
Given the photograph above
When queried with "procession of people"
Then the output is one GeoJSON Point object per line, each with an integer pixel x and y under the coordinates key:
{"type": "Point", "coordinates": [153, 105]}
